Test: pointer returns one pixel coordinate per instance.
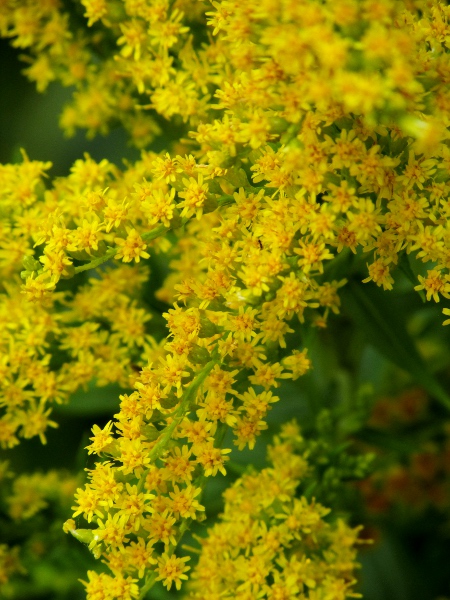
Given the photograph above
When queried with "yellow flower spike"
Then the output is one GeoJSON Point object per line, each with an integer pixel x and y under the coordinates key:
{"type": "Point", "coordinates": [133, 39]}
{"type": "Point", "coordinates": [35, 422]}
{"type": "Point", "coordinates": [304, 135]}
{"type": "Point", "coordinates": [268, 540]}
{"type": "Point", "coordinates": [379, 272]}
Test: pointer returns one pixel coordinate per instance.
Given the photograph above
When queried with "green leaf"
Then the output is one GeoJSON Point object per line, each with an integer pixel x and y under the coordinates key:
{"type": "Point", "coordinates": [406, 267]}
{"type": "Point", "coordinates": [386, 572]}
{"type": "Point", "coordinates": [385, 329]}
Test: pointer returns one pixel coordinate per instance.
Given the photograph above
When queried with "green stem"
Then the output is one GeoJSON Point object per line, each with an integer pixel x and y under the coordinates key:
{"type": "Point", "coordinates": [199, 482]}
{"type": "Point", "coordinates": [159, 448]}
{"type": "Point", "coordinates": [226, 200]}
{"type": "Point", "coordinates": [181, 410]}
{"type": "Point", "coordinates": [179, 414]}
{"type": "Point", "coordinates": [151, 578]}
{"type": "Point", "coordinates": [97, 261]}
{"type": "Point", "coordinates": [147, 237]}
{"type": "Point", "coordinates": [149, 583]}
{"type": "Point", "coordinates": [150, 235]}
{"type": "Point", "coordinates": [222, 429]}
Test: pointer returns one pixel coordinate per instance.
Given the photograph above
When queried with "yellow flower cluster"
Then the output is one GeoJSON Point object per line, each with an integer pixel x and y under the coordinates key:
{"type": "Point", "coordinates": [313, 130]}
{"type": "Point", "coordinates": [309, 156]}
{"type": "Point", "coordinates": [76, 221]}
{"type": "Point", "coordinates": [49, 351]}
{"type": "Point", "coordinates": [59, 341]}
{"type": "Point", "coordinates": [340, 111]}
{"type": "Point", "coordinates": [271, 544]}
{"type": "Point", "coordinates": [169, 432]}
{"type": "Point", "coordinates": [59, 50]}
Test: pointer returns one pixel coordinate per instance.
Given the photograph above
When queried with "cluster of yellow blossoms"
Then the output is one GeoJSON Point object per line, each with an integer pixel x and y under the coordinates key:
{"type": "Point", "coordinates": [312, 130]}
{"type": "Point", "coordinates": [168, 442]}
{"type": "Point", "coordinates": [61, 341]}
{"type": "Point", "coordinates": [270, 543]}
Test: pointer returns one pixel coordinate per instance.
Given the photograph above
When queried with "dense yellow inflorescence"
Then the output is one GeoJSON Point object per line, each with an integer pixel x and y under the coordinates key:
{"type": "Point", "coordinates": [271, 544]}
{"type": "Point", "coordinates": [313, 130]}
{"type": "Point", "coordinates": [54, 343]}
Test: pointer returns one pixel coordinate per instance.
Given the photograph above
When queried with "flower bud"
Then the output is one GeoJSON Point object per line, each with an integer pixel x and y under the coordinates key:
{"type": "Point", "coordinates": [207, 328]}
{"type": "Point", "coordinates": [199, 355]}
{"type": "Point", "coordinates": [31, 264]}
{"type": "Point", "coordinates": [85, 536]}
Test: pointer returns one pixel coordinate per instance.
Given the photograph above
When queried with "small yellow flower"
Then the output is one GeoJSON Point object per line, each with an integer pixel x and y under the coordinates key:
{"type": "Point", "coordinates": [212, 459]}
{"type": "Point", "coordinates": [132, 247]}
{"type": "Point", "coordinates": [101, 438]}
{"type": "Point", "coordinates": [172, 569]}
{"type": "Point", "coordinates": [38, 288]}
{"type": "Point", "coordinates": [435, 284]}
{"type": "Point", "coordinates": [194, 194]}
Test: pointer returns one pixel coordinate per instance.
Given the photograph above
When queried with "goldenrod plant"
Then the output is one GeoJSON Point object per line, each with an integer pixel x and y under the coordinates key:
{"type": "Point", "coordinates": [268, 268]}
